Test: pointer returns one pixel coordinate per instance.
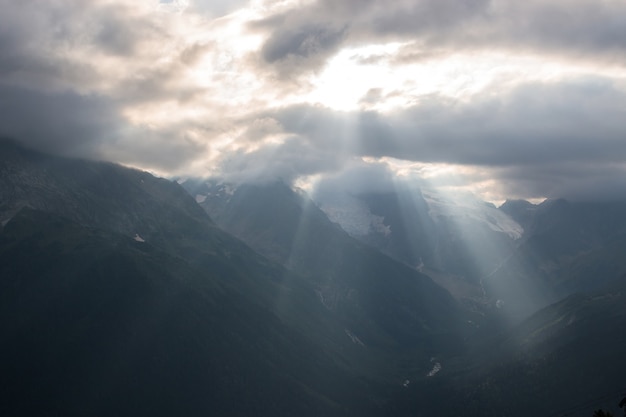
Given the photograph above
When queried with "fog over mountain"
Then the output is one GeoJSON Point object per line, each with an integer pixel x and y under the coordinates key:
{"type": "Point", "coordinates": [488, 95]}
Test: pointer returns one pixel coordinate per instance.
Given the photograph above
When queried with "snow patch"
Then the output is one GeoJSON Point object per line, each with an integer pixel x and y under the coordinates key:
{"type": "Point", "coordinates": [353, 216]}
{"type": "Point", "coordinates": [571, 320]}
{"type": "Point", "coordinates": [228, 189]}
{"type": "Point", "coordinates": [320, 294]}
{"type": "Point", "coordinates": [435, 370]}
{"type": "Point", "coordinates": [354, 338]}
{"type": "Point", "coordinates": [200, 198]}
{"type": "Point", "coordinates": [138, 238]}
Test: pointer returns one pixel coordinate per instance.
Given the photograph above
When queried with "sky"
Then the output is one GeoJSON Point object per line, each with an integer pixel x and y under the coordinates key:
{"type": "Point", "coordinates": [501, 98]}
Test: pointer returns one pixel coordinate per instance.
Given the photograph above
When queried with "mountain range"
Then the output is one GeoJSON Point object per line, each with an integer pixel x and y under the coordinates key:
{"type": "Point", "coordinates": [126, 294]}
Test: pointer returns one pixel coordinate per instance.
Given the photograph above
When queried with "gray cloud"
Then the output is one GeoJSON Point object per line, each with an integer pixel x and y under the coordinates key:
{"type": "Point", "coordinates": [533, 138]}
{"type": "Point", "coordinates": [575, 29]}
{"type": "Point", "coordinates": [90, 126]}
{"type": "Point", "coordinates": [580, 181]}
{"type": "Point", "coordinates": [62, 123]}
{"type": "Point", "coordinates": [356, 177]}
{"type": "Point", "coordinates": [316, 31]}
{"type": "Point", "coordinates": [302, 42]}
{"type": "Point", "coordinates": [580, 27]}
{"type": "Point", "coordinates": [286, 161]}
{"type": "Point", "coordinates": [164, 149]}
{"type": "Point", "coordinates": [533, 124]}
{"type": "Point", "coordinates": [73, 75]}
{"type": "Point", "coordinates": [53, 92]}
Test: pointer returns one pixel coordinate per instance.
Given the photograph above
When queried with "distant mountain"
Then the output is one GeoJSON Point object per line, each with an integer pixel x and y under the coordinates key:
{"type": "Point", "coordinates": [452, 234]}
{"type": "Point", "coordinates": [567, 247]}
{"type": "Point", "coordinates": [382, 302]}
{"type": "Point", "coordinates": [455, 239]}
{"type": "Point", "coordinates": [567, 358]}
{"type": "Point", "coordinates": [522, 211]}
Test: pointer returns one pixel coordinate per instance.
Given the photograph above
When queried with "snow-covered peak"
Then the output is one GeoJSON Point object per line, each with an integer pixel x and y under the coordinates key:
{"type": "Point", "coordinates": [353, 215]}
{"type": "Point", "coordinates": [464, 208]}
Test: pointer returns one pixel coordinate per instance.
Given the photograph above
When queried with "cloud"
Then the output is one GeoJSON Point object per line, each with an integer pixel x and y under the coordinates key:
{"type": "Point", "coordinates": [523, 99]}
{"type": "Point", "coordinates": [357, 177]}
{"type": "Point", "coordinates": [544, 130]}
{"type": "Point", "coordinates": [89, 80]}
{"type": "Point", "coordinates": [577, 181]}
{"type": "Point", "coordinates": [532, 124]}
{"type": "Point", "coordinates": [62, 123]}
{"type": "Point", "coordinates": [302, 43]}
{"type": "Point", "coordinates": [577, 29]}
{"type": "Point", "coordinates": [286, 161]}
{"type": "Point", "coordinates": [312, 33]}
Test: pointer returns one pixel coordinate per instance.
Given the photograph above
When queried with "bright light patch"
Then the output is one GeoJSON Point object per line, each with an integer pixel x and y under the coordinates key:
{"type": "Point", "coordinates": [376, 78]}
{"type": "Point", "coordinates": [348, 77]}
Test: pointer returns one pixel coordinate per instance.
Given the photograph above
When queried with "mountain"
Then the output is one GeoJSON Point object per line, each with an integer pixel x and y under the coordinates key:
{"type": "Point", "coordinates": [522, 211]}
{"type": "Point", "coordinates": [567, 358]}
{"type": "Point", "coordinates": [451, 234]}
{"type": "Point", "coordinates": [96, 323]}
{"type": "Point", "coordinates": [382, 303]}
{"type": "Point", "coordinates": [100, 194]}
{"type": "Point", "coordinates": [120, 296]}
{"type": "Point", "coordinates": [567, 247]}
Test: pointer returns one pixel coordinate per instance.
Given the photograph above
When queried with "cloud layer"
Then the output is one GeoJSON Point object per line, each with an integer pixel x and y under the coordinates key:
{"type": "Point", "coordinates": [503, 98]}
